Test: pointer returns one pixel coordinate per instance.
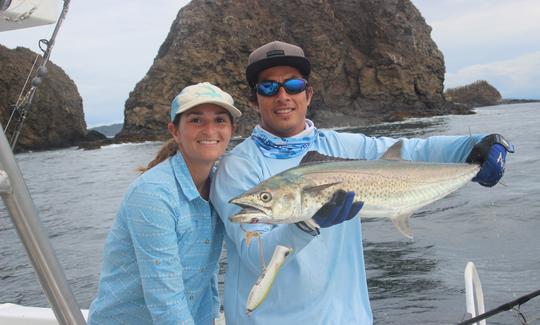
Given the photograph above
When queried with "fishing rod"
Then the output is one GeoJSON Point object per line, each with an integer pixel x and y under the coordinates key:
{"type": "Point", "coordinates": [23, 107]}
{"type": "Point", "coordinates": [507, 306]}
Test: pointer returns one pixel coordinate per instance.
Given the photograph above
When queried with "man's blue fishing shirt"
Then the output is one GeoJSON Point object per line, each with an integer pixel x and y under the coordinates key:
{"type": "Point", "coordinates": [324, 280]}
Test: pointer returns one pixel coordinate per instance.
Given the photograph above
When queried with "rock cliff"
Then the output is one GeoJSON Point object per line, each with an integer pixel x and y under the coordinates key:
{"type": "Point", "coordinates": [479, 93]}
{"type": "Point", "coordinates": [373, 60]}
{"type": "Point", "coordinates": [56, 117]}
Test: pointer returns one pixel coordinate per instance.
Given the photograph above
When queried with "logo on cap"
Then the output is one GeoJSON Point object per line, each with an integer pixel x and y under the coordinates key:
{"type": "Point", "coordinates": [207, 92]}
{"type": "Point", "coordinates": [272, 53]}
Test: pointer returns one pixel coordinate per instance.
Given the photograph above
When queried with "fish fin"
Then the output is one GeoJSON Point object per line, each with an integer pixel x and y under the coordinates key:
{"type": "Point", "coordinates": [317, 157]}
{"type": "Point", "coordinates": [317, 188]}
{"type": "Point", "coordinates": [394, 152]}
{"type": "Point", "coordinates": [403, 224]}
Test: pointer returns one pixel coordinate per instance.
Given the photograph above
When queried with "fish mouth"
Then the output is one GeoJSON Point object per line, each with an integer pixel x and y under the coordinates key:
{"type": "Point", "coordinates": [248, 214]}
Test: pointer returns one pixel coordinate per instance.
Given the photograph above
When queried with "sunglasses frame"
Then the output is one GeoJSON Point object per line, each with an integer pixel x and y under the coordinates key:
{"type": "Point", "coordinates": [280, 85]}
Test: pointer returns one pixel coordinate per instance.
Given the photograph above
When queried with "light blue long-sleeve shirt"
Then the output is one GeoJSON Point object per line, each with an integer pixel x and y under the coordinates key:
{"type": "Point", "coordinates": [323, 281]}
{"type": "Point", "coordinates": [160, 260]}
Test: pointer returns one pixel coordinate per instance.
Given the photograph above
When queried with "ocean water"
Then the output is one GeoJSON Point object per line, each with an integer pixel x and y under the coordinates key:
{"type": "Point", "coordinates": [417, 281]}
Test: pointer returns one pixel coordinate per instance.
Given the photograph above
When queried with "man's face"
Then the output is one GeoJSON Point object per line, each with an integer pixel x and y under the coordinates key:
{"type": "Point", "coordinates": [283, 114]}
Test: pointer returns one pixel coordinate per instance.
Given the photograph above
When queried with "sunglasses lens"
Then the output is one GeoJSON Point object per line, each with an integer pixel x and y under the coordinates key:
{"type": "Point", "coordinates": [295, 86]}
{"type": "Point", "coordinates": [268, 88]}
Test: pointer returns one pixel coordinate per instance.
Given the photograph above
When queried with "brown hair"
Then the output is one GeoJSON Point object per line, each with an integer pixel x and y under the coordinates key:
{"type": "Point", "coordinates": [168, 149]}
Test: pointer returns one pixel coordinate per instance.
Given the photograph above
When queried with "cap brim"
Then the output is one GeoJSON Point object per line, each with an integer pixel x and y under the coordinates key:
{"type": "Point", "coordinates": [300, 63]}
{"type": "Point", "coordinates": [235, 112]}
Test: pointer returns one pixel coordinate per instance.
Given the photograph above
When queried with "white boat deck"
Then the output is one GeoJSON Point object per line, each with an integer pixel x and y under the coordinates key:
{"type": "Point", "coordinates": [12, 314]}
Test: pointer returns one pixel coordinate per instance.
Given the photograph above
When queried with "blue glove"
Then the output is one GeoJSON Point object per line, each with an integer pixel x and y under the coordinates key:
{"type": "Point", "coordinates": [340, 208]}
{"type": "Point", "coordinates": [490, 153]}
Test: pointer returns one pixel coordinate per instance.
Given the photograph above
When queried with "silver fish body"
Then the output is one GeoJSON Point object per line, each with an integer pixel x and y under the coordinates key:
{"type": "Point", "coordinates": [390, 188]}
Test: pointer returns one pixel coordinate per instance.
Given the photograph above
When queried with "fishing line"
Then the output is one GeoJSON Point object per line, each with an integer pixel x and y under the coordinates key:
{"type": "Point", "coordinates": [261, 253]}
{"type": "Point", "coordinates": [261, 248]}
{"type": "Point", "coordinates": [520, 315]}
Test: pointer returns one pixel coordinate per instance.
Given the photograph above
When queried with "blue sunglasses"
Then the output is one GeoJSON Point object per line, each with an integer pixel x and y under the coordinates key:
{"type": "Point", "coordinates": [270, 88]}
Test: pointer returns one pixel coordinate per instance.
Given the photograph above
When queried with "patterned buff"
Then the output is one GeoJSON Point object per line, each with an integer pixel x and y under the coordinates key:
{"type": "Point", "coordinates": [272, 146]}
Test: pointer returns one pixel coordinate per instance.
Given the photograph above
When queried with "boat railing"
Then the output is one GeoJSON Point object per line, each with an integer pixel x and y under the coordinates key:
{"type": "Point", "coordinates": [24, 215]}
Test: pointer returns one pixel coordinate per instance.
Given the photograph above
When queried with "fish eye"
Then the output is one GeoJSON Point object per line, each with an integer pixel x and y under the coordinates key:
{"type": "Point", "coordinates": [265, 196]}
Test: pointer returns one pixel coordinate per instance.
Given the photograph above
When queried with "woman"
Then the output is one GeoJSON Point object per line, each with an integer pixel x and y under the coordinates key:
{"type": "Point", "coordinates": [160, 261]}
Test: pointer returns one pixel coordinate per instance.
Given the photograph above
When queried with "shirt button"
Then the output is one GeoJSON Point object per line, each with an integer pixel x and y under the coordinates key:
{"type": "Point", "coordinates": [190, 297]}
{"type": "Point", "coordinates": [207, 242]}
{"type": "Point", "coordinates": [157, 262]}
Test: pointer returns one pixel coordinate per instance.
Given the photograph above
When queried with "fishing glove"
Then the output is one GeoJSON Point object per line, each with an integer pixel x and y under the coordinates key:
{"type": "Point", "coordinates": [490, 153]}
{"type": "Point", "coordinates": [340, 208]}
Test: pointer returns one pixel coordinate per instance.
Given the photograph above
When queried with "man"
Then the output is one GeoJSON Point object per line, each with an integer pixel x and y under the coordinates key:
{"type": "Point", "coordinates": [323, 281]}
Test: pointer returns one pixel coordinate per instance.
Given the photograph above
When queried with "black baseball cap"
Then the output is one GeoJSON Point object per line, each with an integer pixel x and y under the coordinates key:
{"type": "Point", "coordinates": [274, 54]}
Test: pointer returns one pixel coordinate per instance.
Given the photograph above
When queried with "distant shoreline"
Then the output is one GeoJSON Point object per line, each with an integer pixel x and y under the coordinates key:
{"type": "Point", "coordinates": [110, 130]}
{"type": "Point", "coordinates": [517, 101]}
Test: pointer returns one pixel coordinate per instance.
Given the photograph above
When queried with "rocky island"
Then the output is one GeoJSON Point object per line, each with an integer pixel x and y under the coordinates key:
{"type": "Point", "coordinates": [373, 60]}
{"type": "Point", "coordinates": [56, 117]}
{"type": "Point", "coordinates": [478, 93]}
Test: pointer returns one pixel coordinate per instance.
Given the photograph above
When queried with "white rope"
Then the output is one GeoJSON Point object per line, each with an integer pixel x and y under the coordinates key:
{"type": "Point", "coordinates": [20, 99]}
{"type": "Point", "coordinates": [26, 81]}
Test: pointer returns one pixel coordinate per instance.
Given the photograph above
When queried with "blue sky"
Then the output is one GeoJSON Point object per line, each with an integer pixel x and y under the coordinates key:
{"type": "Point", "coordinates": [106, 47]}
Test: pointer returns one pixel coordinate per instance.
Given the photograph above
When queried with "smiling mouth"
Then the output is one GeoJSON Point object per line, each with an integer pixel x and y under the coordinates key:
{"type": "Point", "coordinates": [208, 141]}
{"type": "Point", "coordinates": [283, 111]}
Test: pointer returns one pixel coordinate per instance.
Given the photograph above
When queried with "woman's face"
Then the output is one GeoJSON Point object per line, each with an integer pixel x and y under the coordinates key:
{"type": "Point", "coordinates": [203, 133]}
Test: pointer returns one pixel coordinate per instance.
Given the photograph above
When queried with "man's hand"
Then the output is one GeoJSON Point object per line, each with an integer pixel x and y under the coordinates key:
{"type": "Point", "coordinates": [339, 209]}
{"type": "Point", "coordinates": [490, 153]}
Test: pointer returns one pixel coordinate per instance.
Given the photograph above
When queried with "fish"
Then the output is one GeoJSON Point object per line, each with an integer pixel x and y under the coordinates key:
{"type": "Point", "coordinates": [263, 284]}
{"type": "Point", "coordinates": [389, 187]}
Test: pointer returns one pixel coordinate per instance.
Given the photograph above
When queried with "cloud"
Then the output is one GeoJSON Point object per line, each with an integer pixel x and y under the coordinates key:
{"type": "Point", "coordinates": [515, 78]}
{"type": "Point", "coordinates": [475, 32]}
{"type": "Point", "coordinates": [493, 40]}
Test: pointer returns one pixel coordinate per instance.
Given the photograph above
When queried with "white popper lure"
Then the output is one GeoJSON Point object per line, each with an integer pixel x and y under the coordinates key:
{"type": "Point", "coordinates": [266, 279]}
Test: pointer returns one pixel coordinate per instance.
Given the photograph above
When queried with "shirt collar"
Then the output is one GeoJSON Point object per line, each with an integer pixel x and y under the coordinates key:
{"type": "Point", "coordinates": [183, 177]}
{"type": "Point", "coordinates": [276, 147]}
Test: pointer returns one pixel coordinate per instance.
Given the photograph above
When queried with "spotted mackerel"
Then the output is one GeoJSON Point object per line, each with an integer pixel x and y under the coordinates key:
{"type": "Point", "coordinates": [389, 187]}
